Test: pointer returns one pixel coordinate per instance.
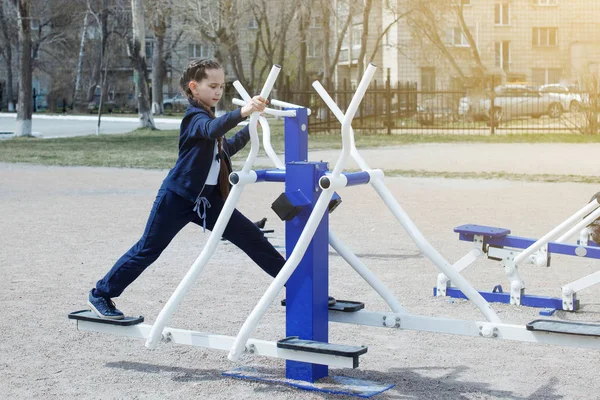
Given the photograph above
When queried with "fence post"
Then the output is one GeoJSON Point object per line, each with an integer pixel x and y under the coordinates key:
{"type": "Point", "coordinates": [375, 94]}
{"type": "Point", "coordinates": [388, 103]}
{"type": "Point", "coordinates": [492, 106]}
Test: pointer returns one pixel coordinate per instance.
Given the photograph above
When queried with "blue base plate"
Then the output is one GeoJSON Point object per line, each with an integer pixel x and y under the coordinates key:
{"type": "Point", "coordinates": [332, 385]}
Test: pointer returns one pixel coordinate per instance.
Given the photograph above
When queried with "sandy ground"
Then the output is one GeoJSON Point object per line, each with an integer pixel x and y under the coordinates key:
{"type": "Point", "coordinates": [62, 228]}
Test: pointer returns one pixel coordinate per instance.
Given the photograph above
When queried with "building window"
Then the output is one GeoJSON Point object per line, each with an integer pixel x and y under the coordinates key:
{"type": "Point", "coordinates": [344, 55]}
{"type": "Point", "coordinates": [428, 79]}
{"type": "Point", "coordinates": [501, 15]}
{"type": "Point", "coordinates": [456, 37]}
{"type": "Point", "coordinates": [357, 35]}
{"type": "Point", "coordinates": [149, 49]}
{"type": "Point", "coordinates": [547, 2]}
{"type": "Point", "coordinates": [544, 76]}
{"type": "Point", "coordinates": [545, 37]}
{"type": "Point", "coordinates": [314, 49]}
{"type": "Point", "coordinates": [253, 23]}
{"type": "Point", "coordinates": [199, 51]}
{"type": "Point", "coordinates": [502, 50]}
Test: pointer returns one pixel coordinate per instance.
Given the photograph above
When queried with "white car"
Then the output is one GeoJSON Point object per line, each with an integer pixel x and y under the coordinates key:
{"type": "Point", "coordinates": [177, 102]}
{"type": "Point", "coordinates": [568, 100]}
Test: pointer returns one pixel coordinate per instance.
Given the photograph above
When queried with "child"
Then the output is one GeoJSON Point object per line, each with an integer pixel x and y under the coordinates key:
{"type": "Point", "coordinates": [194, 190]}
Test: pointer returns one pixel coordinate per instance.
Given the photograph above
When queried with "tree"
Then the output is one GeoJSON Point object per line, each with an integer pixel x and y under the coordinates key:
{"type": "Point", "coordinates": [217, 22]}
{"type": "Point", "coordinates": [137, 54]}
{"type": "Point", "coordinates": [270, 38]}
{"type": "Point", "coordinates": [78, 74]}
{"type": "Point", "coordinates": [8, 30]}
{"type": "Point", "coordinates": [363, 40]}
{"type": "Point", "coordinates": [333, 17]}
{"type": "Point", "coordinates": [24, 108]}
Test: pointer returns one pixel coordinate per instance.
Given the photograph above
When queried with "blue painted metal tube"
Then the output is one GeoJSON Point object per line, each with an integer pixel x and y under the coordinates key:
{"type": "Point", "coordinates": [357, 178]}
{"type": "Point", "coordinates": [270, 175]}
{"type": "Point", "coordinates": [523, 243]}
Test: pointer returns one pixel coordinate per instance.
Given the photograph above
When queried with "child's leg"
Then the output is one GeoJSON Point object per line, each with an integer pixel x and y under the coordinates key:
{"type": "Point", "coordinates": [246, 235]}
{"type": "Point", "coordinates": [170, 213]}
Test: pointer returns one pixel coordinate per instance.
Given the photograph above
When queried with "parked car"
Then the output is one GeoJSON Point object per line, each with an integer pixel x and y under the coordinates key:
{"type": "Point", "coordinates": [177, 102]}
{"type": "Point", "coordinates": [437, 108]}
{"type": "Point", "coordinates": [474, 107]}
{"type": "Point", "coordinates": [511, 101]}
{"type": "Point", "coordinates": [568, 99]}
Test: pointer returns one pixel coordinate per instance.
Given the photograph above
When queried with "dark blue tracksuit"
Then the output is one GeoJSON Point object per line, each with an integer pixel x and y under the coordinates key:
{"type": "Point", "coordinates": [184, 197]}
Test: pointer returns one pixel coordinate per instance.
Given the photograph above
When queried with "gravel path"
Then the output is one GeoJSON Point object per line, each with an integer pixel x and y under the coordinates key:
{"type": "Point", "coordinates": [62, 228]}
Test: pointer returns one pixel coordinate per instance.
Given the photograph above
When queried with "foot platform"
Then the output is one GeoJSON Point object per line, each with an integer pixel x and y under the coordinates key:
{"type": "Point", "coordinates": [311, 346]}
{"type": "Point", "coordinates": [342, 305]}
{"type": "Point", "coordinates": [89, 316]}
{"type": "Point", "coordinates": [566, 327]}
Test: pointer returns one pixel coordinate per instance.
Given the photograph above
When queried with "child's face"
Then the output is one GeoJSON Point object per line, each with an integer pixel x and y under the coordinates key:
{"type": "Point", "coordinates": [210, 89]}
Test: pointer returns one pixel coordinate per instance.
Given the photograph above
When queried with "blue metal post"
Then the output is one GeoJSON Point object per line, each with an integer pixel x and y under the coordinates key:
{"type": "Point", "coordinates": [307, 288]}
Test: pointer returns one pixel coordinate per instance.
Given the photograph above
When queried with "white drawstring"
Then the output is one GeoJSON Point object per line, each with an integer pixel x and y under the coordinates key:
{"type": "Point", "coordinates": [202, 211]}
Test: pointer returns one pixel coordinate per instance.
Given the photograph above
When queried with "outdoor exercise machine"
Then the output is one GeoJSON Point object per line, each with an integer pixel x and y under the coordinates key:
{"type": "Point", "coordinates": [514, 251]}
{"type": "Point", "coordinates": [310, 194]}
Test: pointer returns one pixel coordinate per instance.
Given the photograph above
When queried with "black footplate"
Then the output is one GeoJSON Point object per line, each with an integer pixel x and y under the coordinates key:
{"type": "Point", "coordinates": [87, 315]}
{"type": "Point", "coordinates": [566, 327]}
{"type": "Point", "coordinates": [312, 346]}
{"type": "Point", "coordinates": [342, 305]}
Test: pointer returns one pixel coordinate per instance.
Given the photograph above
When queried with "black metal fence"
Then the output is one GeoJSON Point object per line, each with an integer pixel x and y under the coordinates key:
{"type": "Point", "coordinates": [509, 108]}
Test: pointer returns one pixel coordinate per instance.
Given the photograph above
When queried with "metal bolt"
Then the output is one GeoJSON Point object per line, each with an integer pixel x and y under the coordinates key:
{"type": "Point", "coordinates": [303, 127]}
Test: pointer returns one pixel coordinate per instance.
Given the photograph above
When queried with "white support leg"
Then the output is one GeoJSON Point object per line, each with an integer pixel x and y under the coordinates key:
{"type": "Point", "coordinates": [443, 282]}
{"type": "Point", "coordinates": [570, 290]}
{"type": "Point", "coordinates": [517, 286]}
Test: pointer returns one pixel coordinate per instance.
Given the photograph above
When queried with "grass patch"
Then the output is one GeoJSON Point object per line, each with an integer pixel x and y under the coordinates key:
{"type": "Point", "coordinates": [144, 148]}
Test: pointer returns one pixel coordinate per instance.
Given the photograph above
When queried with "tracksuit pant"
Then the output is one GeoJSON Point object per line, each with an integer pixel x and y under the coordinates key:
{"type": "Point", "coordinates": [170, 213]}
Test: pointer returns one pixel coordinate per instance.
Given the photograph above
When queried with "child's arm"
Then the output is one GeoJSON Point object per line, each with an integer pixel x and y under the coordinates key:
{"type": "Point", "coordinates": [238, 141]}
{"type": "Point", "coordinates": [202, 125]}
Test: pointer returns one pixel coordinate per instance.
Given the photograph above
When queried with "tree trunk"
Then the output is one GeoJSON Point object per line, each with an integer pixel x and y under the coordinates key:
{"type": "Point", "coordinates": [360, 67]}
{"type": "Point", "coordinates": [158, 62]}
{"type": "Point", "coordinates": [9, 58]}
{"type": "Point", "coordinates": [301, 80]}
{"type": "Point", "coordinates": [76, 100]}
{"type": "Point", "coordinates": [137, 53]}
{"type": "Point", "coordinates": [24, 109]}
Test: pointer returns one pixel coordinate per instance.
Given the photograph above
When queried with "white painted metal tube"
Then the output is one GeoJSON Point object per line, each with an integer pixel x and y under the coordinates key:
{"type": "Point", "coordinates": [270, 111]}
{"type": "Point", "coordinates": [242, 92]}
{"type": "Point", "coordinates": [365, 273]}
{"type": "Point", "coordinates": [218, 342]}
{"type": "Point", "coordinates": [429, 251]}
{"type": "Point", "coordinates": [277, 284]}
{"type": "Point", "coordinates": [285, 104]}
{"type": "Point", "coordinates": [252, 126]}
{"type": "Point", "coordinates": [580, 225]}
{"type": "Point", "coordinates": [267, 143]}
{"type": "Point", "coordinates": [266, 131]}
{"type": "Point", "coordinates": [582, 283]}
{"type": "Point", "coordinates": [347, 133]}
{"type": "Point", "coordinates": [340, 117]}
{"type": "Point", "coordinates": [554, 233]}
{"type": "Point", "coordinates": [193, 273]}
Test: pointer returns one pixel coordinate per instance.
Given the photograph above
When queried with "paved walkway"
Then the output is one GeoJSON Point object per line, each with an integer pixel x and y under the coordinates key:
{"type": "Point", "coordinates": [514, 158]}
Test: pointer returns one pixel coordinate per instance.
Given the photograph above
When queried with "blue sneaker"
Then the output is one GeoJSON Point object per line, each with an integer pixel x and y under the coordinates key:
{"type": "Point", "coordinates": [103, 307]}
